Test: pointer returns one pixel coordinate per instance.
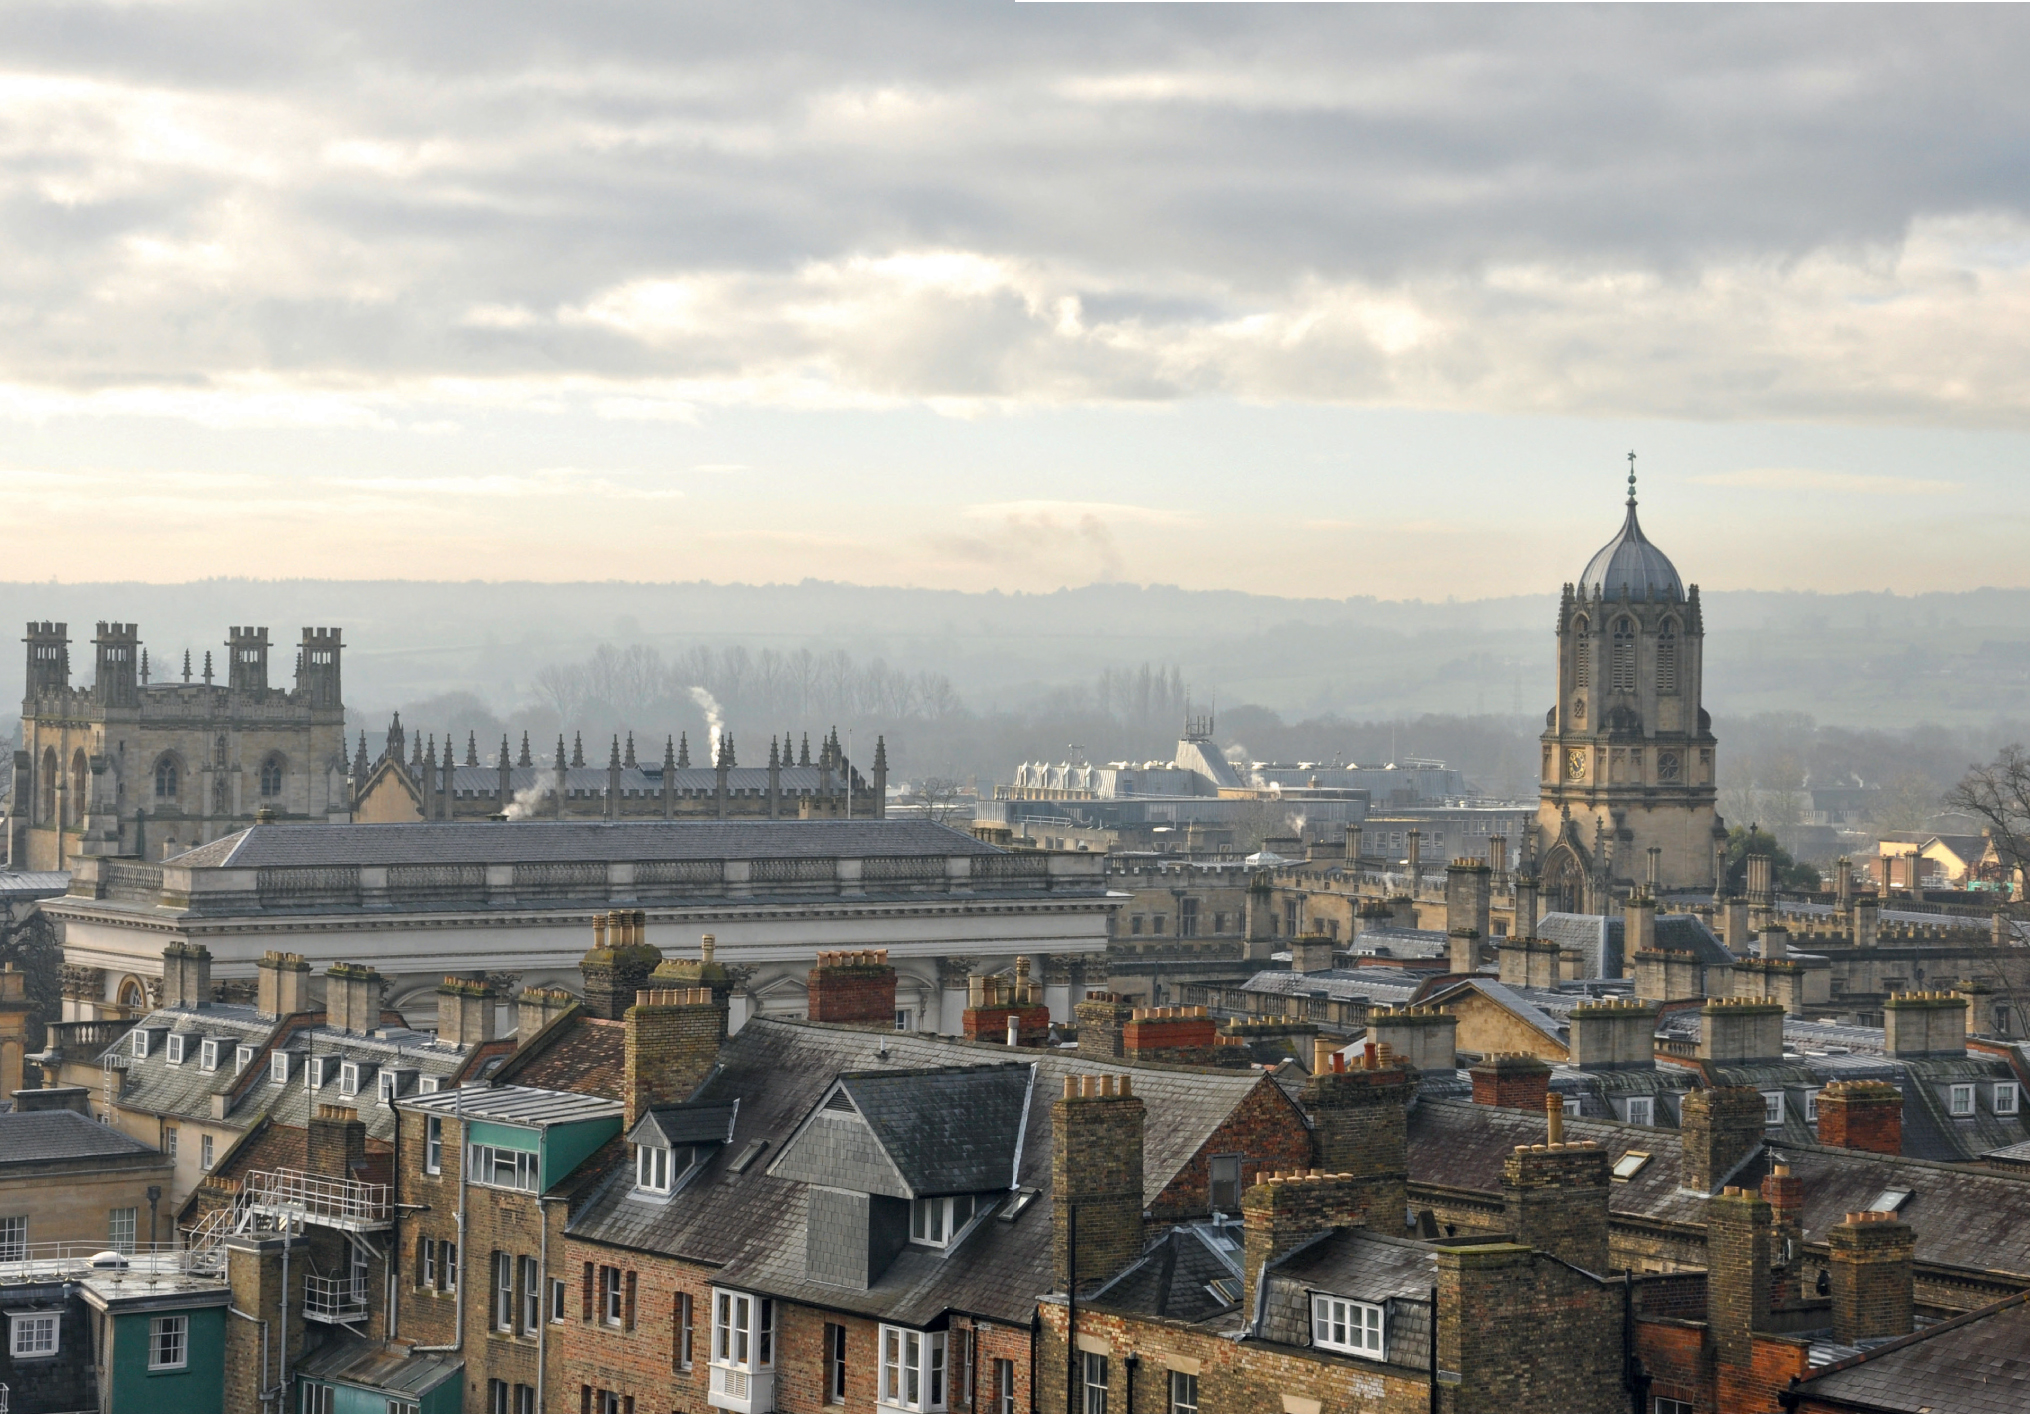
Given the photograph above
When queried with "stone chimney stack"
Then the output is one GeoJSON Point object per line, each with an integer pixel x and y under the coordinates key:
{"type": "Point", "coordinates": [186, 975]}
{"type": "Point", "coordinates": [1918, 1025]}
{"type": "Point", "coordinates": [1313, 952]}
{"type": "Point", "coordinates": [1511, 1081]}
{"type": "Point", "coordinates": [1284, 1210]}
{"type": "Point", "coordinates": [853, 988]}
{"type": "Point", "coordinates": [1423, 1036]}
{"type": "Point", "coordinates": [1783, 1191]}
{"type": "Point", "coordinates": [1097, 1127]}
{"type": "Point", "coordinates": [1360, 1125]}
{"type": "Point", "coordinates": [1862, 1114]}
{"type": "Point", "coordinates": [1612, 1035]}
{"type": "Point", "coordinates": [1261, 918]}
{"type": "Point", "coordinates": [1733, 1032]}
{"type": "Point", "coordinates": [618, 964]}
{"type": "Point", "coordinates": [1734, 924]}
{"type": "Point", "coordinates": [1760, 893]}
{"type": "Point", "coordinates": [1101, 1018]}
{"type": "Point", "coordinates": [1737, 1277]}
{"type": "Point", "coordinates": [1462, 951]}
{"type": "Point", "coordinates": [336, 1142]}
{"type": "Point", "coordinates": [1554, 1196]}
{"type": "Point", "coordinates": [465, 1012]}
{"type": "Point", "coordinates": [537, 1007]}
{"type": "Point", "coordinates": [1525, 905]}
{"type": "Point", "coordinates": [1872, 1268]}
{"type": "Point", "coordinates": [1864, 920]}
{"type": "Point", "coordinates": [672, 1042]}
{"type": "Point", "coordinates": [1775, 943]}
{"type": "Point", "coordinates": [1466, 896]}
{"type": "Point", "coordinates": [282, 986]}
{"type": "Point", "coordinates": [352, 998]}
{"type": "Point", "coordinates": [1721, 1127]}
{"type": "Point", "coordinates": [1638, 929]}
{"type": "Point", "coordinates": [1843, 883]}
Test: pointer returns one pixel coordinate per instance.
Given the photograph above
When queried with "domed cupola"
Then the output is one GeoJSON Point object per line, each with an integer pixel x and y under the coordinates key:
{"type": "Point", "coordinates": [1630, 564]}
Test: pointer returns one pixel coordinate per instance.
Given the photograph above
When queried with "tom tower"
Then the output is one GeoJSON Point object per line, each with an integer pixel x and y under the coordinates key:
{"type": "Point", "coordinates": [1627, 800]}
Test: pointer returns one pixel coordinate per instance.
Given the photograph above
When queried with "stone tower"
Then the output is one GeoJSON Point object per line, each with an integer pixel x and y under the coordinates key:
{"type": "Point", "coordinates": [1628, 753]}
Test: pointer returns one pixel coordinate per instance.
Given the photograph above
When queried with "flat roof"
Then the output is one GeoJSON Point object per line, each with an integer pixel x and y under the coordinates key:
{"type": "Point", "coordinates": [515, 1104]}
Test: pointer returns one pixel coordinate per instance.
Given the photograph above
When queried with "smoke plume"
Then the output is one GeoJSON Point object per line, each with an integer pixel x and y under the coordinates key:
{"type": "Point", "coordinates": [715, 722]}
{"type": "Point", "coordinates": [529, 800]}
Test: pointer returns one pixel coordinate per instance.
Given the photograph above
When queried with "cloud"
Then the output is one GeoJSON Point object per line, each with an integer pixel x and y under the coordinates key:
{"type": "Point", "coordinates": [1792, 478]}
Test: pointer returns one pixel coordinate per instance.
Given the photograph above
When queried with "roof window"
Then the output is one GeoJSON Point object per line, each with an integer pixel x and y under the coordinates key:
{"type": "Point", "coordinates": [1630, 1164]}
{"type": "Point", "coordinates": [1890, 1200]}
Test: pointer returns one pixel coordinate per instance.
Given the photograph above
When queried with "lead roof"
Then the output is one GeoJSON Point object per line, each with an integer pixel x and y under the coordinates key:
{"type": "Point", "coordinates": [45, 1136]}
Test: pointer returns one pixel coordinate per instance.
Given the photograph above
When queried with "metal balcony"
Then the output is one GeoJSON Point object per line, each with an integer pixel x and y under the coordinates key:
{"type": "Point", "coordinates": [333, 1300]}
{"type": "Point", "coordinates": [328, 1202]}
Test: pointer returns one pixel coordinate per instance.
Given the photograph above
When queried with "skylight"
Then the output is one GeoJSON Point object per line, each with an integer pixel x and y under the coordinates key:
{"type": "Point", "coordinates": [1630, 1164]}
{"type": "Point", "coordinates": [1889, 1200]}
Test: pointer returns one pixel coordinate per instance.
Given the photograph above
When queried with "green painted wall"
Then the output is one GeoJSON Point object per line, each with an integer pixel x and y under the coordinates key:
{"type": "Point", "coordinates": [504, 1136]}
{"type": "Point", "coordinates": [565, 1146]}
{"type": "Point", "coordinates": [198, 1388]}
{"type": "Point", "coordinates": [447, 1398]}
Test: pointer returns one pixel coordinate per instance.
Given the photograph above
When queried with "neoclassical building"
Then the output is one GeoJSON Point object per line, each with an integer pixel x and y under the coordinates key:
{"type": "Point", "coordinates": [129, 766]}
{"type": "Point", "coordinates": [1629, 759]}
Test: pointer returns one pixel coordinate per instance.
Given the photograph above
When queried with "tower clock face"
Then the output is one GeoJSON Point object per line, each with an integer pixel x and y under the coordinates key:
{"type": "Point", "coordinates": [1668, 766]}
{"type": "Point", "coordinates": [1575, 763]}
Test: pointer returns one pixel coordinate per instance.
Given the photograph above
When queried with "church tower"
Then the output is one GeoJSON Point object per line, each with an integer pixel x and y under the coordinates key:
{"type": "Point", "coordinates": [1627, 795]}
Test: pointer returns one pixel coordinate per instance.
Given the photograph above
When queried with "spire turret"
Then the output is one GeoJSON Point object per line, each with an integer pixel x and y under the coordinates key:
{"type": "Point", "coordinates": [577, 748]}
{"type": "Point", "coordinates": [526, 759]}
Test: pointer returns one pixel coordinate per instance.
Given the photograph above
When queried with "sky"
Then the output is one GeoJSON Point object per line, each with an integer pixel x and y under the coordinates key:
{"type": "Point", "coordinates": [1320, 299]}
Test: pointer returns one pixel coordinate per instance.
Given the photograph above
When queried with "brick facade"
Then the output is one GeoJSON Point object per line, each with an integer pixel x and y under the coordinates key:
{"type": "Point", "coordinates": [1555, 1198]}
{"type": "Point", "coordinates": [1512, 1082]}
{"type": "Point", "coordinates": [1872, 1261]}
{"type": "Point", "coordinates": [1096, 1172]}
{"type": "Point", "coordinates": [1862, 1114]}
{"type": "Point", "coordinates": [852, 988]}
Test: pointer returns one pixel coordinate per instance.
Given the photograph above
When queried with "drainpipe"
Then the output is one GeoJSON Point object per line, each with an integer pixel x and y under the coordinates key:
{"type": "Point", "coordinates": [1434, 1351]}
{"type": "Point", "coordinates": [542, 1297]}
{"type": "Point", "coordinates": [1129, 1365]}
{"type": "Point", "coordinates": [282, 1375]}
{"type": "Point", "coordinates": [1071, 1309]}
{"type": "Point", "coordinates": [265, 1395]}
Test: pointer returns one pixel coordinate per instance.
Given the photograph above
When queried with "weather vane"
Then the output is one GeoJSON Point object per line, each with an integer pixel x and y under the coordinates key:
{"type": "Point", "coordinates": [1631, 478]}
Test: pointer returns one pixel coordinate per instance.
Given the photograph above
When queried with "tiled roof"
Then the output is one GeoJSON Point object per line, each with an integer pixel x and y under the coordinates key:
{"type": "Point", "coordinates": [577, 841]}
{"type": "Point", "coordinates": [1367, 1266]}
{"type": "Point", "coordinates": [46, 1136]}
{"type": "Point", "coordinates": [575, 1052]}
{"type": "Point", "coordinates": [1978, 1363]}
{"type": "Point", "coordinates": [752, 1224]}
{"type": "Point", "coordinates": [1174, 1277]}
{"type": "Point", "coordinates": [1977, 1219]}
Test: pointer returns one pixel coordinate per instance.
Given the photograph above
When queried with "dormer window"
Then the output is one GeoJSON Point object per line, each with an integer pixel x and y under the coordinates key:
{"type": "Point", "coordinates": [934, 1221]}
{"type": "Point", "coordinates": [243, 1056]}
{"type": "Point", "coordinates": [208, 1054]}
{"type": "Point", "coordinates": [173, 1048]}
{"type": "Point", "coordinates": [278, 1068]}
{"type": "Point", "coordinates": [1354, 1327]}
{"type": "Point", "coordinates": [320, 1071]}
{"type": "Point", "coordinates": [138, 1046]}
{"type": "Point", "coordinates": [653, 1167]}
{"type": "Point", "coordinates": [348, 1077]}
{"type": "Point", "coordinates": [390, 1086]}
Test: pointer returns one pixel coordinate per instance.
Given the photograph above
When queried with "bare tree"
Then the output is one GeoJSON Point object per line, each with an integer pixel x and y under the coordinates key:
{"type": "Point", "coordinates": [1998, 795]}
{"type": "Point", "coordinates": [941, 796]}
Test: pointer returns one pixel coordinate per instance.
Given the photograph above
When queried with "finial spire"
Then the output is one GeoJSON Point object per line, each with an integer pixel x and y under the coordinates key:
{"type": "Point", "coordinates": [1631, 478]}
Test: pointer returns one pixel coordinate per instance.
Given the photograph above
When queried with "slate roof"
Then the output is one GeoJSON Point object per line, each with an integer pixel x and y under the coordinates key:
{"type": "Point", "coordinates": [1387, 986]}
{"type": "Point", "coordinates": [1401, 942]}
{"type": "Point", "coordinates": [1977, 1219]}
{"type": "Point", "coordinates": [576, 1051]}
{"type": "Point", "coordinates": [1173, 1278]}
{"type": "Point", "coordinates": [17, 884]}
{"type": "Point", "coordinates": [55, 1136]}
{"type": "Point", "coordinates": [678, 1125]}
{"type": "Point", "coordinates": [576, 841]}
{"type": "Point", "coordinates": [1368, 1266]}
{"type": "Point", "coordinates": [1978, 1363]}
{"type": "Point", "coordinates": [940, 1131]}
{"type": "Point", "coordinates": [752, 1225]}
{"type": "Point", "coordinates": [1508, 998]}
{"type": "Point", "coordinates": [483, 782]}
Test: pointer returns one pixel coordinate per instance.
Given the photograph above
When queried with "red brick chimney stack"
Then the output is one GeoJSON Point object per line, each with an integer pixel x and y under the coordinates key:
{"type": "Point", "coordinates": [853, 988]}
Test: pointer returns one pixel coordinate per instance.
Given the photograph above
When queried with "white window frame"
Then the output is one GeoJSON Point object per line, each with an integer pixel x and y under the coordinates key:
{"type": "Point", "coordinates": [1772, 1108]}
{"type": "Point", "coordinates": [138, 1047]}
{"type": "Point", "coordinates": [560, 1303]}
{"type": "Point", "coordinates": [320, 1071]}
{"type": "Point", "coordinates": [1642, 1109]}
{"type": "Point", "coordinates": [348, 1077]}
{"type": "Point", "coordinates": [169, 1342]}
{"type": "Point", "coordinates": [433, 1144]}
{"type": "Point", "coordinates": [173, 1048]}
{"type": "Point", "coordinates": [208, 1054]}
{"type": "Point", "coordinates": [427, 1276]}
{"type": "Point", "coordinates": [1350, 1327]}
{"type": "Point", "coordinates": [530, 1276]}
{"type": "Point", "coordinates": [169, 1140]}
{"type": "Point", "coordinates": [319, 1399]}
{"type": "Point", "coordinates": [115, 1217]}
{"type": "Point", "coordinates": [2008, 1097]}
{"type": "Point", "coordinates": [652, 1168]}
{"type": "Point", "coordinates": [613, 1297]}
{"type": "Point", "coordinates": [278, 1074]}
{"type": "Point", "coordinates": [27, 1332]}
{"type": "Point", "coordinates": [938, 1222]}
{"type": "Point", "coordinates": [743, 1331]}
{"type": "Point", "coordinates": [1183, 1392]}
{"type": "Point", "coordinates": [14, 1238]}
{"type": "Point", "coordinates": [1094, 1378]}
{"type": "Point", "coordinates": [483, 1162]}
{"type": "Point", "coordinates": [389, 1085]}
{"type": "Point", "coordinates": [913, 1369]}
{"type": "Point", "coordinates": [243, 1056]}
{"type": "Point", "coordinates": [427, 1085]}
{"type": "Point", "coordinates": [1960, 1101]}
{"type": "Point", "coordinates": [1811, 1106]}
{"type": "Point", "coordinates": [503, 1292]}
{"type": "Point", "coordinates": [205, 1150]}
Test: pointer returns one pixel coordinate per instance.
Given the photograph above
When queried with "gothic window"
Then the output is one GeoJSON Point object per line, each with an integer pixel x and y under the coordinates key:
{"type": "Point", "coordinates": [271, 776]}
{"type": "Point", "coordinates": [218, 753]}
{"type": "Point", "coordinates": [1667, 659]}
{"type": "Point", "coordinates": [49, 785]}
{"type": "Point", "coordinates": [221, 798]}
{"type": "Point", "coordinates": [1621, 666]}
{"type": "Point", "coordinates": [79, 783]}
{"type": "Point", "coordinates": [166, 780]}
{"type": "Point", "coordinates": [1582, 655]}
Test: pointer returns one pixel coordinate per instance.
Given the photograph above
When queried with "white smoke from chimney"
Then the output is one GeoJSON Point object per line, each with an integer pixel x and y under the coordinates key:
{"type": "Point", "coordinates": [529, 800]}
{"type": "Point", "coordinates": [715, 722]}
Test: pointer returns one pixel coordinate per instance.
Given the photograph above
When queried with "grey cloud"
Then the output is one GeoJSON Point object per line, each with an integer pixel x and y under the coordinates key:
{"type": "Point", "coordinates": [332, 191]}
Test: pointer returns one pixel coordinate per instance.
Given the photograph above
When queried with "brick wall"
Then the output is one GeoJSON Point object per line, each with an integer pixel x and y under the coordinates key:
{"type": "Point", "coordinates": [1673, 1355]}
{"type": "Point", "coordinates": [1170, 1035]}
{"type": "Point", "coordinates": [1512, 1082]}
{"type": "Point", "coordinates": [1096, 1169]}
{"type": "Point", "coordinates": [1100, 1019]}
{"type": "Point", "coordinates": [1517, 1330]}
{"type": "Point", "coordinates": [1862, 1114]}
{"type": "Point", "coordinates": [1281, 1211]}
{"type": "Point", "coordinates": [851, 988]}
{"type": "Point", "coordinates": [1265, 1129]}
{"type": "Point", "coordinates": [990, 1024]}
{"type": "Point", "coordinates": [1737, 1274]}
{"type": "Point", "coordinates": [1555, 1198]}
{"type": "Point", "coordinates": [1721, 1127]}
{"type": "Point", "coordinates": [671, 1042]}
{"type": "Point", "coordinates": [1872, 1259]}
